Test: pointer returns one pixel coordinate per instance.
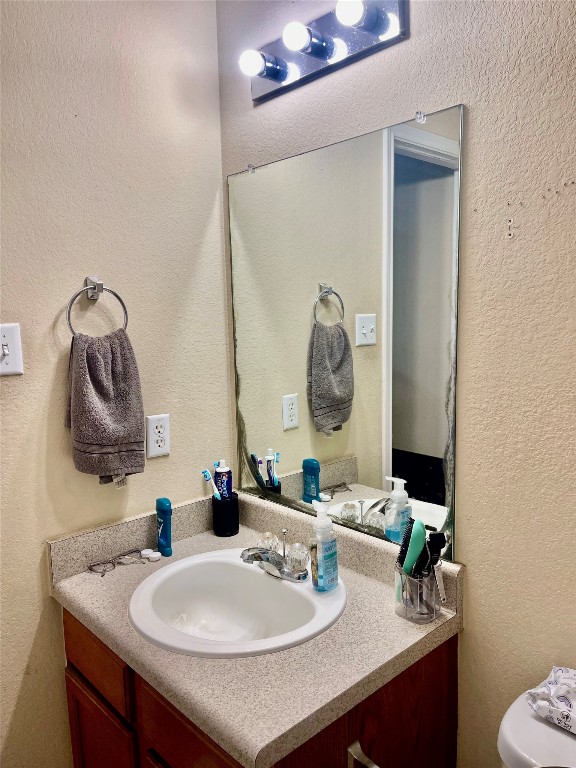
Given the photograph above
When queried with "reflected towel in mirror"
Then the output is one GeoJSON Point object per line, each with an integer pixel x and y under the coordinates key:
{"type": "Point", "coordinates": [330, 376]}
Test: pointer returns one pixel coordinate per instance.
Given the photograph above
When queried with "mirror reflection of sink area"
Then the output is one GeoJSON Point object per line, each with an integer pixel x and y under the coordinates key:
{"type": "Point", "coordinates": [432, 515]}
{"type": "Point", "coordinates": [346, 508]}
{"type": "Point", "coordinates": [216, 605]}
{"type": "Point", "coordinates": [351, 280]}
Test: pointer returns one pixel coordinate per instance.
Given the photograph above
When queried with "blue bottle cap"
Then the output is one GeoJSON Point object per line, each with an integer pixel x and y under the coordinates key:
{"type": "Point", "coordinates": [163, 505]}
{"type": "Point", "coordinates": [310, 464]}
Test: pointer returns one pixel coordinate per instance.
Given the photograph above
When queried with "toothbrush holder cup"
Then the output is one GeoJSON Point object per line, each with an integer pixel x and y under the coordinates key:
{"type": "Point", "coordinates": [226, 516]}
{"type": "Point", "coordinates": [417, 600]}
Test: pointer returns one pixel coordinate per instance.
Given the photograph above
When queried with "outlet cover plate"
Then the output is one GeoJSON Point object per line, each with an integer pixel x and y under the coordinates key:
{"type": "Point", "coordinates": [365, 330]}
{"type": "Point", "coordinates": [157, 435]}
{"type": "Point", "coordinates": [290, 411]}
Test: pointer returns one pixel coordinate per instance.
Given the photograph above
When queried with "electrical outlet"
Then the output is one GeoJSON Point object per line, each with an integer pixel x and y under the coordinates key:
{"type": "Point", "coordinates": [290, 411]}
{"type": "Point", "coordinates": [157, 435]}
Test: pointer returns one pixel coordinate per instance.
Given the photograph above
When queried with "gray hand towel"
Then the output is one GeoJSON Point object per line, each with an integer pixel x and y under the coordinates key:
{"type": "Point", "coordinates": [330, 376]}
{"type": "Point", "coordinates": [105, 412]}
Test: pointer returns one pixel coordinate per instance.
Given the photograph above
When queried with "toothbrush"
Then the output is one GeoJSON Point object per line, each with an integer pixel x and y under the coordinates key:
{"type": "Point", "coordinates": [208, 477]}
{"type": "Point", "coordinates": [416, 544]}
{"type": "Point", "coordinates": [257, 476]}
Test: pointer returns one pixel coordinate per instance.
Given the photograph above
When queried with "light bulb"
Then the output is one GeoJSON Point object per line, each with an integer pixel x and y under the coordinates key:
{"type": "Point", "coordinates": [340, 51]}
{"type": "Point", "coordinates": [393, 27]}
{"type": "Point", "coordinates": [350, 13]}
{"type": "Point", "coordinates": [293, 74]}
{"type": "Point", "coordinates": [252, 63]}
{"type": "Point", "coordinates": [296, 36]}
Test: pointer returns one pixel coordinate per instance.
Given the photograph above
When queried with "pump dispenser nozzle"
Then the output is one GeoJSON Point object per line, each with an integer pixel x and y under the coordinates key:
{"type": "Point", "coordinates": [394, 480]}
{"type": "Point", "coordinates": [322, 520]}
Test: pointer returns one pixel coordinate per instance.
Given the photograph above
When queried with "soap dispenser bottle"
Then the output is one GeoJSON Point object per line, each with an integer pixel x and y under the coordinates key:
{"type": "Point", "coordinates": [323, 552]}
{"type": "Point", "coordinates": [399, 511]}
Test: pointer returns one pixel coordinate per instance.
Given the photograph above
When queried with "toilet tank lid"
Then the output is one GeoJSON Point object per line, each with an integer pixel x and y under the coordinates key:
{"type": "Point", "coordinates": [526, 740]}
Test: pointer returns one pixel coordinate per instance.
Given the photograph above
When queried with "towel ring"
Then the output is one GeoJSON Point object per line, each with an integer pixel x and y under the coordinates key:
{"type": "Point", "coordinates": [91, 288]}
{"type": "Point", "coordinates": [322, 295]}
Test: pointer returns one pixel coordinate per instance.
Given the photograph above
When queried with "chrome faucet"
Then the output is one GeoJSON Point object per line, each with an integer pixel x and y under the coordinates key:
{"type": "Point", "coordinates": [273, 562]}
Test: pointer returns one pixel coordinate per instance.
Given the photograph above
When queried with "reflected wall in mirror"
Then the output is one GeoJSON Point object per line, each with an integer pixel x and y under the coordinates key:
{"type": "Point", "coordinates": [376, 219]}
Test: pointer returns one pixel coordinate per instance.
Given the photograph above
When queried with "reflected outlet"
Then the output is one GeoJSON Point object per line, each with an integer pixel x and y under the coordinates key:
{"type": "Point", "coordinates": [290, 411]}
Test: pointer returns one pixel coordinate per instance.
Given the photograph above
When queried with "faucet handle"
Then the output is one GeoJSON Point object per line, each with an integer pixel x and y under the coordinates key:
{"type": "Point", "coordinates": [268, 541]}
{"type": "Point", "coordinates": [297, 558]}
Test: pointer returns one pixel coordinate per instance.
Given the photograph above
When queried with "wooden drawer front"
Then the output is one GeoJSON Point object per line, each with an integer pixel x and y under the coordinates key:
{"type": "Point", "coordinates": [166, 734]}
{"type": "Point", "coordinates": [99, 738]}
{"type": "Point", "coordinates": [99, 665]}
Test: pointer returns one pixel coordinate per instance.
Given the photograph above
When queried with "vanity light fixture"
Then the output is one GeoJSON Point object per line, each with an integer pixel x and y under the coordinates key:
{"type": "Point", "coordinates": [356, 28]}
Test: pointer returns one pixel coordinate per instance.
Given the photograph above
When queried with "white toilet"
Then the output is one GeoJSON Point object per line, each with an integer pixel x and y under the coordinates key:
{"type": "Point", "coordinates": [526, 740]}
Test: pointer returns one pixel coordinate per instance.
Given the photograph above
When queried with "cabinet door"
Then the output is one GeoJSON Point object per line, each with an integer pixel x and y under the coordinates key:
{"type": "Point", "coordinates": [99, 738]}
{"type": "Point", "coordinates": [409, 722]}
{"type": "Point", "coordinates": [412, 720]}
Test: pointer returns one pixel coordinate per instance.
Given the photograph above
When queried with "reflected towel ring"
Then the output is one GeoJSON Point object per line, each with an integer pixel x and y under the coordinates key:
{"type": "Point", "coordinates": [324, 294]}
{"type": "Point", "coordinates": [92, 288]}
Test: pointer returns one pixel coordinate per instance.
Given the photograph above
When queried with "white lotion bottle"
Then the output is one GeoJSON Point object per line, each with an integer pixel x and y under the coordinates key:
{"type": "Point", "coordinates": [323, 552]}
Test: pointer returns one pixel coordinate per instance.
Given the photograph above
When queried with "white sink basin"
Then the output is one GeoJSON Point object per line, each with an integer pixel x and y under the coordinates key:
{"type": "Point", "coordinates": [215, 605]}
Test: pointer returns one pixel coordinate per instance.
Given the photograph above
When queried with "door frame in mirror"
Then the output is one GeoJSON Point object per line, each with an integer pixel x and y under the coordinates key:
{"type": "Point", "coordinates": [432, 148]}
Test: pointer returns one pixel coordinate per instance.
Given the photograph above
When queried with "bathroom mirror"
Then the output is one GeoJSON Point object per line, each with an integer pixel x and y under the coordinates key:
{"type": "Point", "coordinates": [373, 219]}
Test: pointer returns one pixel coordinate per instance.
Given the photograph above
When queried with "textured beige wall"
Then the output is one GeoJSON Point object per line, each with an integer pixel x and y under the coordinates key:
{"type": "Point", "coordinates": [111, 165]}
{"type": "Point", "coordinates": [512, 65]}
{"type": "Point", "coordinates": [313, 218]}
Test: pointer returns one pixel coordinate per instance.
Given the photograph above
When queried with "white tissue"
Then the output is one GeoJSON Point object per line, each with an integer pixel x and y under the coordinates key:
{"type": "Point", "coordinates": [555, 698]}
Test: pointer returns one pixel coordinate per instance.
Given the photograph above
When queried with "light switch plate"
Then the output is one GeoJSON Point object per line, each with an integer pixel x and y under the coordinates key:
{"type": "Point", "coordinates": [11, 362]}
{"type": "Point", "coordinates": [157, 435]}
{"type": "Point", "coordinates": [365, 330]}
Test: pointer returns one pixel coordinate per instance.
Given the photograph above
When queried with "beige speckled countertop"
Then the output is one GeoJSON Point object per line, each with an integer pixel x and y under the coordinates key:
{"type": "Point", "coordinates": [261, 708]}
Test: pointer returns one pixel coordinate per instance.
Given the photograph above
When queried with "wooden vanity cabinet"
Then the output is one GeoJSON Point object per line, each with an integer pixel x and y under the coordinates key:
{"type": "Point", "coordinates": [119, 720]}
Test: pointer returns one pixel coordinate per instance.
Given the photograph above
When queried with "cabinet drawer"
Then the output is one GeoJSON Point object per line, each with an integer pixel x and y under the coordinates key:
{"type": "Point", "coordinates": [99, 738]}
{"type": "Point", "coordinates": [165, 732]}
{"type": "Point", "coordinates": [99, 665]}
